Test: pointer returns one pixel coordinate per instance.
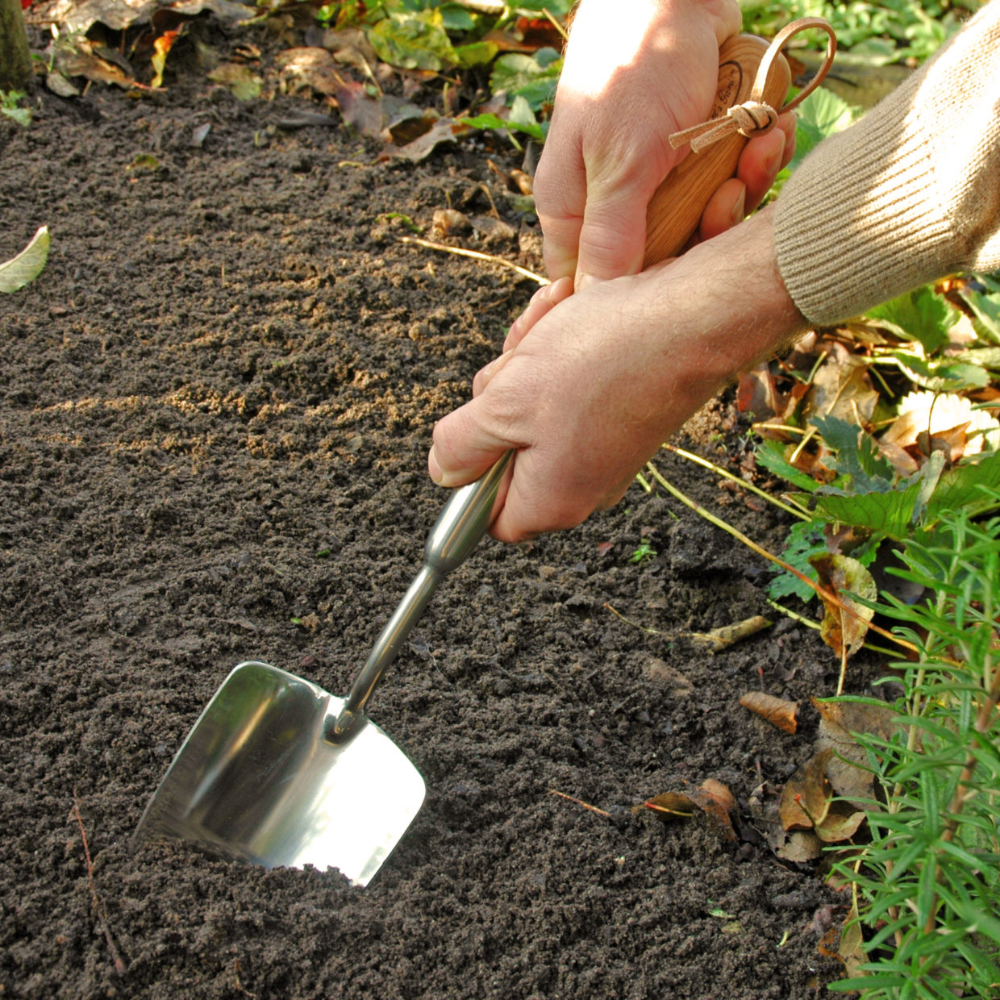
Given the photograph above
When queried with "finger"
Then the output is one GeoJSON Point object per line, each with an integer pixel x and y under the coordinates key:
{"type": "Point", "coordinates": [464, 447]}
{"type": "Point", "coordinates": [487, 373]}
{"type": "Point", "coordinates": [560, 195]}
{"type": "Point", "coordinates": [541, 302]}
{"type": "Point", "coordinates": [763, 157]}
{"type": "Point", "coordinates": [788, 123]}
{"type": "Point", "coordinates": [533, 505]}
{"type": "Point", "coordinates": [725, 209]}
{"type": "Point", "coordinates": [613, 236]}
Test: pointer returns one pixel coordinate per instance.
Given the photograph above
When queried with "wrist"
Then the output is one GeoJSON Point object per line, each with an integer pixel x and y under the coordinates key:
{"type": "Point", "coordinates": [742, 311]}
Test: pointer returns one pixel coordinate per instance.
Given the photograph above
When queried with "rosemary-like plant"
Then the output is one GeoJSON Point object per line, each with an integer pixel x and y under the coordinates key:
{"type": "Point", "coordinates": [927, 885]}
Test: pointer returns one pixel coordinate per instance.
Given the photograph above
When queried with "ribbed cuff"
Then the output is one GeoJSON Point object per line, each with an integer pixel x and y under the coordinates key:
{"type": "Point", "coordinates": [859, 223]}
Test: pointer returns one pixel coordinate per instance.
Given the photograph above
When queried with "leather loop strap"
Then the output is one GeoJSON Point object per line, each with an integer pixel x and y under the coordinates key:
{"type": "Point", "coordinates": [755, 117]}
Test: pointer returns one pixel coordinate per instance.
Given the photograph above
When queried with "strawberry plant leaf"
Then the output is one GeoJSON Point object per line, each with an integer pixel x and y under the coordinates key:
{"type": "Point", "coordinates": [413, 40]}
{"type": "Point", "coordinates": [820, 115]}
{"type": "Point", "coordinates": [943, 375]}
{"type": "Point", "coordinates": [922, 315]}
{"type": "Point", "coordinates": [857, 455]}
{"type": "Point", "coordinates": [805, 539]}
{"type": "Point", "coordinates": [532, 77]}
{"type": "Point", "coordinates": [986, 306]}
{"type": "Point", "coordinates": [889, 514]}
{"type": "Point", "coordinates": [771, 454]}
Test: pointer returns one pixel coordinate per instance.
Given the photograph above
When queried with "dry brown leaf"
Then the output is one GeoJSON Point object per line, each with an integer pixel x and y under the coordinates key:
{"type": "Point", "coordinates": [840, 823]}
{"type": "Point", "coordinates": [309, 67]}
{"type": "Point", "coordinates": [845, 942]}
{"type": "Point", "coordinates": [359, 110]}
{"type": "Point", "coordinates": [660, 672]}
{"type": "Point", "coordinates": [842, 386]}
{"type": "Point", "coordinates": [847, 770]}
{"type": "Point", "coordinates": [448, 221]}
{"type": "Point", "coordinates": [805, 799]}
{"type": "Point", "coordinates": [757, 394]}
{"type": "Point", "coordinates": [445, 130]}
{"type": "Point", "coordinates": [778, 711]}
{"type": "Point", "coordinates": [712, 798]}
{"type": "Point", "coordinates": [801, 846]}
{"type": "Point", "coordinates": [843, 630]}
{"type": "Point", "coordinates": [86, 64]}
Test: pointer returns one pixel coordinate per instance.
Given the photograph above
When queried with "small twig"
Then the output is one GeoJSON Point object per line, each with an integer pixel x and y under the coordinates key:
{"type": "Point", "coordinates": [98, 903]}
{"type": "Point", "coordinates": [555, 23]}
{"type": "Point", "coordinates": [794, 615]}
{"type": "Point", "coordinates": [641, 628]}
{"type": "Point", "coordinates": [236, 975]}
{"type": "Point", "coordinates": [714, 641]}
{"type": "Point", "coordinates": [578, 802]}
{"type": "Point", "coordinates": [462, 252]}
{"type": "Point", "coordinates": [697, 459]}
{"type": "Point", "coordinates": [493, 205]}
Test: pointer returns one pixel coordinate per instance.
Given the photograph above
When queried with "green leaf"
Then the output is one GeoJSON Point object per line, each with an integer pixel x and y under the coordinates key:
{"type": "Point", "coordinates": [532, 77]}
{"type": "Point", "coordinates": [771, 455]}
{"type": "Point", "coordinates": [805, 539]}
{"type": "Point", "coordinates": [943, 375]}
{"type": "Point", "coordinates": [414, 40]}
{"type": "Point", "coordinates": [964, 488]}
{"type": "Point", "coordinates": [888, 514]}
{"type": "Point", "coordinates": [532, 128]}
{"type": "Point", "coordinates": [820, 115]}
{"type": "Point", "coordinates": [557, 8]}
{"type": "Point", "coordinates": [986, 306]}
{"type": "Point", "coordinates": [475, 54]}
{"type": "Point", "coordinates": [921, 315]}
{"type": "Point", "coordinates": [27, 265]}
{"type": "Point", "coordinates": [857, 455]}
{"type": "Point", "coordinates": [456, 18]}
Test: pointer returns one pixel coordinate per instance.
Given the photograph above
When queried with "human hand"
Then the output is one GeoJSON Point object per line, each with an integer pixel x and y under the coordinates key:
{"type": "Point", "coordinates": [632, 77]}
{"type": "Point", "coordinates": [590, 391]}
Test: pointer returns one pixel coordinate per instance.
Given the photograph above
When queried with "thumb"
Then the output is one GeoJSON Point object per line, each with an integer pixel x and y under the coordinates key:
{"type": "Point", "coordinates": [464, 448]}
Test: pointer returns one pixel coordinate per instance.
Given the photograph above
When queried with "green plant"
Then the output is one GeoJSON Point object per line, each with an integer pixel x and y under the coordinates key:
{"type": "Point", "coordinates": [878, 33]}
{"type": "Point", "coordinates": [27, 265]}
{"type": "Point", "coordinates": [9, 101]}
{"type": "Point", "coordinates": [644, 552]}
{"type": "Point", "coordinates": [927, 885]}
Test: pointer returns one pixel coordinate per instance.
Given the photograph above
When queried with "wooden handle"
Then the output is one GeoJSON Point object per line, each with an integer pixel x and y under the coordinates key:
{"type": "Point", "coordinates": [677, 206]}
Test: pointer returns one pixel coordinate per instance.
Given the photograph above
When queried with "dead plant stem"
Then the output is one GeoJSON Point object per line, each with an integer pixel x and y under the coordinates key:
{"type": "Point", "coordinates": [705, 463]}
{"type": "Point", "coordinates": [825, 595]}
{"type": "Point", "coordinates": [97, 901]}
{"type": "Point", "coordinates": [476, 255]}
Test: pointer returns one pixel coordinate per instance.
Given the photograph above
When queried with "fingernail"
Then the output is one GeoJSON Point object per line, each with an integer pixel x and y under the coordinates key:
{"type": "Point", "coordinates": [739, 210]}
{"type": "Point", "coordinates": [433, 468]}
{"type": "Point", "coordinates": [773, 161]}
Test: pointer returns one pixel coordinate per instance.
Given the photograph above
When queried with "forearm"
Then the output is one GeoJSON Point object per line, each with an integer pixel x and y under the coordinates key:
{"type": "Point", "coordinates": [734, 302]}
{"type": "Point", "coordinates": [908, 194]}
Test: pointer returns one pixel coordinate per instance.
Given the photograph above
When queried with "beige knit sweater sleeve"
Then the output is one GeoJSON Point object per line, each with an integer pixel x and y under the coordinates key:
{"type": "Point", "coordinates": [908, 194]}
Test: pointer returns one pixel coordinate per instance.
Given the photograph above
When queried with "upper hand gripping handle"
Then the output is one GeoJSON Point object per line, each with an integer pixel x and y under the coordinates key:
{"type": "Point", "coordinates": [678, 204]}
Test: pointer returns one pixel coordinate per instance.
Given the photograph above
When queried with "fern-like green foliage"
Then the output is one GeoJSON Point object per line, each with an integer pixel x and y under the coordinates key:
{"type": "Point", "coordinates": [929, 880]}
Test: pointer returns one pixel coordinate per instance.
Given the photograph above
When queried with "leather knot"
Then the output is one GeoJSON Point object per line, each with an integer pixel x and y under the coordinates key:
{"type": "Point", "coordinates": [754, 117]}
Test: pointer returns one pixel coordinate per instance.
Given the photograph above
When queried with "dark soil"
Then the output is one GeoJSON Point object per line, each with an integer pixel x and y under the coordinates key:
{"type": "Point", "coordinates": [215, 407]}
